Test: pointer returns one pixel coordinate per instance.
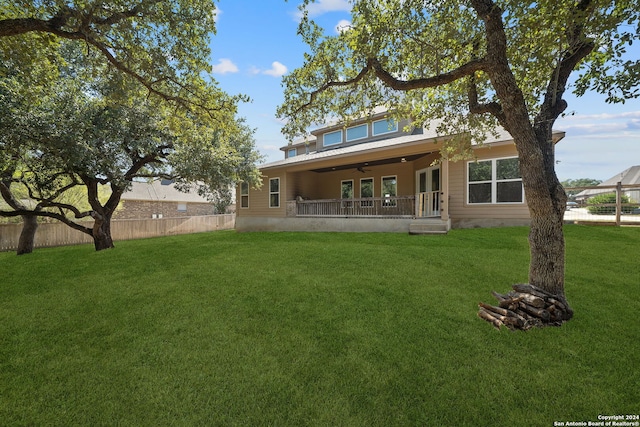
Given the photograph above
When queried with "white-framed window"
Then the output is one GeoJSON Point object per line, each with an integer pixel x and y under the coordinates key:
{"type": "Point", "coordinates": [495, 181]}
{"type": "Point", "coordinates": [366, 191]}
{"type": "Point", "coordinates": [332, 138]}
{"type": "Point", "coordinates": [346, 192]}
{"type": "Point", "coordinates": [357, 132]}
{"type": "Point", "coordinates": [182, 207]}
{"type": "Point", "coordinates": [384, 126]}
{"type": "Point", "coordinates": [389, 190]}
{"type": "Point", "coordinates": [292, 152]}
{"type": "Point", "coordinates": [274, 192]}
{"type": "Point", "coordinates": [244, 195]}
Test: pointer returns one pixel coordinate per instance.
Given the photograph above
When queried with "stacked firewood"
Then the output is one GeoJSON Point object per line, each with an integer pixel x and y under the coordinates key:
{"type": "Point", "coordinates": [525, 307]}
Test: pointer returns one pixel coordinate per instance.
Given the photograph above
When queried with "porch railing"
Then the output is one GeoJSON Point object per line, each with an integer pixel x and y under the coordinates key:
{"type": "Point", "coordinates": [381, 207]}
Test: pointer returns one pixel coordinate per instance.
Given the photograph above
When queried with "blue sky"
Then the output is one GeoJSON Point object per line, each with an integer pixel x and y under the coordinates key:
{"type": "Point", "coordinates": [257, 42]}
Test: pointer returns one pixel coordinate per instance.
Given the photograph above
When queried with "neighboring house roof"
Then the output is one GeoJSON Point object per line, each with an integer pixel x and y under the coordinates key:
{"type": "Point", "coordinates": [158, 192]}
{"type": "Point", "coordinates": [630, 176]}
{"type": "Point", "coordinates": [429, 134]}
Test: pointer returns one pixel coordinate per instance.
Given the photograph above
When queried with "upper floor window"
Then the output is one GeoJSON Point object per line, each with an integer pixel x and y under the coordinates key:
{"type": "Point", "coordinates": [274, 192]}
{"type": "Point", "coordinates": [244, 195]}
{"type": "Point", "coordinates": [357, 132]}
{"type": "Point", "coordinates": [384, 126]}
{"type": "Point", "coordinates": [332, 138]}
{"type": "Point", "coordinates": [495, 181]}
{"type": "Point", "coordinates": [292, 152]}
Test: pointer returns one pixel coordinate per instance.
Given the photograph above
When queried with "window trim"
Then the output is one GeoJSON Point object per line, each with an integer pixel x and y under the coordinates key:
{"type": "Point", "coordinates": [494, 183]}
{"type": "Point", "coordinates": [244, 194]}
{"type": "Point", "coordinates": [274, 192]}
{"type": "Point", "coordinates": [363, 125]}
{"type": "Point", "coordinates": [295, 152]}
{"type": "Point", "coordinates": [387, 120]}
{"type": "Point", "coordinates": [340, 141]}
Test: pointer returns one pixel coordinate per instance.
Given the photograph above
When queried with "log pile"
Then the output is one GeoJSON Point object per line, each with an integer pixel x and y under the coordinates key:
{"type": "Point", "coordinates": [525, 307]}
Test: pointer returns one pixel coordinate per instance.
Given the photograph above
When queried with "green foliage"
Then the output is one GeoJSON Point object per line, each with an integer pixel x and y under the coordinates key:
{"type": "Point", "coordinates": [293, 329]}
{"type": "Point", "coordinates": [433, 51]}
{"type": "Point", "coordinates": [162, 46]}
{"type": "Point", "coordinates": [581, 182]}
{"type": "Point", "coordinates": [87, 130]}
{"type": "Point", "coordinates": [605, 204]}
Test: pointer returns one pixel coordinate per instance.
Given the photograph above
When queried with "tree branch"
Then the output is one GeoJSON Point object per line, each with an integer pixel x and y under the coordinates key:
{"type": "Point", "coordinates": [328, 85]}
{"type": "Point", "coordinates": [579, 46]}
{"type": "Point", "coordinates": [493, 108]}
{"type": "Point", "coordinates": [423, 83]}
{"type": "Point", "coordinates": [374, 65]}
{"type": "Point", "coordinates": [85, 32]}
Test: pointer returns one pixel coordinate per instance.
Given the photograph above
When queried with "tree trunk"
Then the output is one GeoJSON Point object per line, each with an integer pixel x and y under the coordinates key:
{"type": "Point", "coordinates": [102, 232]}
{"type": "Point", "coordinates": [27, 235]}
{"type": "Point", "coordinates": [547, 200]}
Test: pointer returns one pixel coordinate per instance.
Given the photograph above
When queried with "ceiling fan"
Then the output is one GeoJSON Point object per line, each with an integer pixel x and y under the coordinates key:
{"type": "Point", "coordinates": [362, 169]}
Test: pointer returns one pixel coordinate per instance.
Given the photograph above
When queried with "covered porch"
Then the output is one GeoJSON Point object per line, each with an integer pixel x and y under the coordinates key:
{"type": "Point", "coordinates": [421, 205]}
{"type": "Point", "coordinates": [412, 189]}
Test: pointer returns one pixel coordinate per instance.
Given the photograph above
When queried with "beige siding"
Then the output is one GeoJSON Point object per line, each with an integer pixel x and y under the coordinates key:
{"type": "Point", "coordinates": [458, 206]}
{"type": "Point", "coordinates": [297, 181]}
{"type": "Point", "coordinates": [259, 198]}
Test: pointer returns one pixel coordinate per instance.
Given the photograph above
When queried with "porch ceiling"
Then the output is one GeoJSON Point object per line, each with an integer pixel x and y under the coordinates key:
{"type": "Point", "coordinates": [361, 165]}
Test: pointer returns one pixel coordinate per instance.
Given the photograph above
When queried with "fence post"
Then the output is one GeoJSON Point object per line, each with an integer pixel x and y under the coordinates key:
{"type": "Point", "coordinates": [618, 203]}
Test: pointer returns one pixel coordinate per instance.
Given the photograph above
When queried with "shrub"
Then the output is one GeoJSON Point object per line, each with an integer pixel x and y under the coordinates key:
{"type": "Point", "coordinates": [598, 204]}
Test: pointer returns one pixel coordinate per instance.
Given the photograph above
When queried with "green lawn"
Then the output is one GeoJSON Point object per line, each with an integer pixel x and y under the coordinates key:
{"type": "Point", "coordinates": [326, 329]}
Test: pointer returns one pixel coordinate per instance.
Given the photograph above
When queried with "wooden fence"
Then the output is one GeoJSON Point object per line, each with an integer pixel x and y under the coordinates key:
{"type": "Point", "coordinates": [58, 234]}
{"type": "Point", "coordinates": [623, 209]}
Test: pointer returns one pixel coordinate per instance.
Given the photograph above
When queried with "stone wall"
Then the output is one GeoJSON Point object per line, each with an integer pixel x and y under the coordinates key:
{"type": "Point", "coordinates": [134, 209]}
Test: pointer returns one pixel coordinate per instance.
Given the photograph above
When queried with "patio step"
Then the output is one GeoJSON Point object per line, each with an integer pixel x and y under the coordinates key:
{"type": "Point", "coordinates": [428, 227]}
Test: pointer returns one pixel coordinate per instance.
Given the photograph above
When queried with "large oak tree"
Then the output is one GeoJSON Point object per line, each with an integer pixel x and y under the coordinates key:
{"type": "Point", "coordinates": [155, 58]}
{"type": "Point", "coordinates": [162, 45]}
{"type": "Point", "coordinates": [476, 64]}
{"type": "Point", "coordinates": [88, 129]}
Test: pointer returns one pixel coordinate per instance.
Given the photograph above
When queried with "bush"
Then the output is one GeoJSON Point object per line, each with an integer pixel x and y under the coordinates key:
{"type": "Point", "coordinates": [597, 204]}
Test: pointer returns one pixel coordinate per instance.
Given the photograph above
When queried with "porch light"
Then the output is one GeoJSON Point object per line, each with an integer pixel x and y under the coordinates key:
{"type": "Point", "coordinates": [403, 160]}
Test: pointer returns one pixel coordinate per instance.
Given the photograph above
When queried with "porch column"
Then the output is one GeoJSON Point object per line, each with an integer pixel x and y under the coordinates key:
{"type": "Point", "coordinates": [444, 192]}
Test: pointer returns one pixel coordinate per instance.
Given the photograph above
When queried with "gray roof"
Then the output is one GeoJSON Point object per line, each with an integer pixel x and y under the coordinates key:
{"type": "Point", "coordinates": [157, 192]}
{"type": "Point", "coordinates": [630, 176]}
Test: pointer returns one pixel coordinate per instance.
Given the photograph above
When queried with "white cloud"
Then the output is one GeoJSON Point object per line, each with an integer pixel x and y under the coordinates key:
{"type": "Point", "coordinates": [597, 145]}
{"type": "Point", "coordinates": [277, 69]}
{"type": "Point", "coordinates": [604, 116]}
{"type": "Point", "coordinates": [216, 13]}
{"type": "Point", "coordinates": [321, 7]}
{"type": "Point", "coordinates": [600, 124]}
{"type": "Point", "coordinates": [343, 25]}
{"type": "Point", "coordinates": [224, 66]}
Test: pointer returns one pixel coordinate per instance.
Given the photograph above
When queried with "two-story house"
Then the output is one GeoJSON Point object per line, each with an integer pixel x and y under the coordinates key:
{"type": "Point", "coordinates": [375, 175]}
